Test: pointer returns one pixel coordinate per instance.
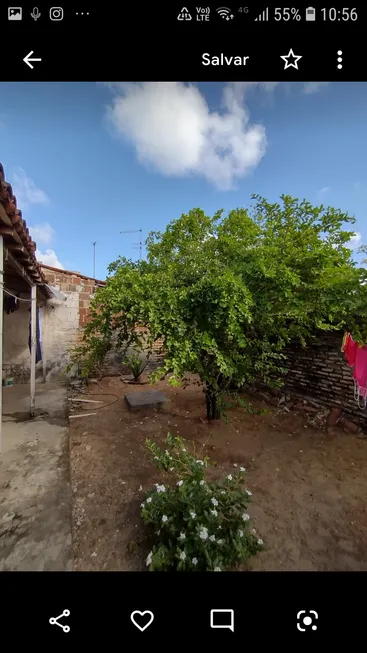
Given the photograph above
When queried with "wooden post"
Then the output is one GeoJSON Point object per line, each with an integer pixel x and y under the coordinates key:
{"type": "Point", "coordinates": [43, 346]}
{"type": "Point", "coordinates": [33, 348]}
{"type": "Point", "coordinates": [1, 332]}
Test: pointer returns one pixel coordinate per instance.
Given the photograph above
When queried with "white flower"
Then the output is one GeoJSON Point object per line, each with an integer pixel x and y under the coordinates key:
{"type": "Point", "coordinates": [214, 512]}
{"type": "Point", "coordinates": [212, 538]}
{"type": "Point", "coordinates": [203, 533]}
{"type": "Point", "coordinates": [179, 483]}
{"type": "Point", "coordinates": [149, 500]}
{"type": "Point", "coordinates": [171, 469]}
{"type": "Point", "coordinates": [253, 531]}
{"type": "Point", "coordinates": [220, 541]}
{"type": "Point", "coordinates": [160, 488]}
{"type": "Point", "coordinates": [235, 465]}
{"type": "Point", "coordinates": [164, 518]}
{"type": "Point", "coordinates": [182, 536]}
{"type": "Point", "coordinates": [230, 477]}
{"type": "Point", "coordinates": [240, 533]}
{"type": "Point", "coordinates": [155, 457]}
{"type": "Point", "coordinates": [192, 514]}
{"type": "Point", "coordinates": [242, 469]}
{"type": "Point", "coordinates": [182, 555]}
{"type": "Point", "coordinates": [249, 493]}
{"type": "Point", "coordinates": [183, 449]}
{"type": "Point", "coordinates": [217, 569]}
{"type": "Point", "coordinates": [223, 492]}
{"type": "Point", "coordinates": [194, 561]}
{"type": "Point", "coordinates": [220, 527]}
{"type": "Point", "coordinates": [245, 516]}
{"type": "Point", "coordinates": [167, 453]}
{"type": "Point", "coordinates": [141, 488]}
{"type": "Point", "coordinates": [149, 559]}
{"type": "Point", "coordinates": [214, 501]}
{"type": "Point", "coordinates": [200, 462]}
{"type": "Point", "coordinates": [202, 482]}
{"type": "Point", "coordinates": [260, 541]}
{"type": "Point", "coordinates": [142, 505]}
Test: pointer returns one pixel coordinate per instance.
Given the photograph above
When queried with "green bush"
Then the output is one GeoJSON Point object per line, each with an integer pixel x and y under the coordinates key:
{"type": "Point", "coordinates": [198, 525]}
{"type": "Point", "coordinates": [137, 364]}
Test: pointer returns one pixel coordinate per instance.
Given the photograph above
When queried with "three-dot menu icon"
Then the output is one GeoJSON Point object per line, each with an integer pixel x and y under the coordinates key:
{"type": "Point", "coordinates": [340, 59]}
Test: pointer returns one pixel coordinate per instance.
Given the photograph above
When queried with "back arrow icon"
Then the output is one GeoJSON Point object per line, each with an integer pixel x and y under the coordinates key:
{"type": "Point", "coordinates": [28, 59]}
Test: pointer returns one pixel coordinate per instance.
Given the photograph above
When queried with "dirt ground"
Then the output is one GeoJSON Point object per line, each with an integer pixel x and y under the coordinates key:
{"type": "Point", "coordinates": [309, 486]}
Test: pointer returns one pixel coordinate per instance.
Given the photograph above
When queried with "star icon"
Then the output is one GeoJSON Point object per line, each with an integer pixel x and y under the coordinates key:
{"type": "Point", "coordinates": [286, 58]}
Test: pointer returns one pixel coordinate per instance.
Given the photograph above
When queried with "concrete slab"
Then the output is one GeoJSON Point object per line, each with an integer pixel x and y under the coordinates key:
{"type": "Point", "coordinates": [145, 399]}
{"type": "Point", "coordinates": [35, 493]}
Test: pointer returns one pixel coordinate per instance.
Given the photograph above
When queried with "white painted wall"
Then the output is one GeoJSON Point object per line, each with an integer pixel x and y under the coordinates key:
{"type": "Point", "coordinates": [59, 332]}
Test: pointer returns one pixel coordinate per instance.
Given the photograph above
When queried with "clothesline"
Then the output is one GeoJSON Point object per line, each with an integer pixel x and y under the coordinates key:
{"type": "Point", "coordinates": [15, 296]}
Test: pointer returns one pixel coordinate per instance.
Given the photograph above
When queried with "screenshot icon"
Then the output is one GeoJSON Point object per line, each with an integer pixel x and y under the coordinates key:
{"type": "Point", "coordinates": [15, 13]}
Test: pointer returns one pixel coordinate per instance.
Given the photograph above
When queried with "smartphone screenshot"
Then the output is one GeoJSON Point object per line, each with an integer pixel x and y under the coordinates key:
{"type": "Point", "coordinates": [183, 323]}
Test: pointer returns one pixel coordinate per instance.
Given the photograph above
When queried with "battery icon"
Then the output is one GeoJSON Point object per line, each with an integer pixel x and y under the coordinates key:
{"type": "Point", "coordinates": [310, 13]}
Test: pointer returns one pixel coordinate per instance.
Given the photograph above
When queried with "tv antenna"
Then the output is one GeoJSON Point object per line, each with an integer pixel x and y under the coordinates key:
{"type": "Point", "coordinates": [94, 259]}
{"type": "Point", "coordinates": [138, 245]}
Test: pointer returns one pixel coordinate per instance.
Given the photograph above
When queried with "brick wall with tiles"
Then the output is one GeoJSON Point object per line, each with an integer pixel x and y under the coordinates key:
{"type": "Point", "coordinates": [321, 372]}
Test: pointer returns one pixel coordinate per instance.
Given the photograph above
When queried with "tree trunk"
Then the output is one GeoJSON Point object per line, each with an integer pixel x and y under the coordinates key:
{"type": "Point", "coordinates": [212, 410]}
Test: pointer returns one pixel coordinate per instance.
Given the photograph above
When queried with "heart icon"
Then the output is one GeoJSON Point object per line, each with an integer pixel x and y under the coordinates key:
{"type": "Point", "coordinates": [145, 618]}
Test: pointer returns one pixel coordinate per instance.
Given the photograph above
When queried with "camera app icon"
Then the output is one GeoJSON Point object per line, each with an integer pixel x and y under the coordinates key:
{"type": "Point", "coordinates": [306, 620]}
{"type": "Point", "coordinates": [56, 13]}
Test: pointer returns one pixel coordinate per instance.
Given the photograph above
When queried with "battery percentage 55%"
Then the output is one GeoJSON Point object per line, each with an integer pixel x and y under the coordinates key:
{"type": "Point", "coordinates": [287, 13]}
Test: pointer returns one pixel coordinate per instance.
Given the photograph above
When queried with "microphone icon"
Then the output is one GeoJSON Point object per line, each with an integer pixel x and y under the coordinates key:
{"type": "Point", "coordinates": [35, 13]}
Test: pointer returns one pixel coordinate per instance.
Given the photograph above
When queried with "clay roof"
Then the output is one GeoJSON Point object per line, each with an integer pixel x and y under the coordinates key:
{"type": "Point", "coordinates": [73, 274]}
{"type": "Point", "coordinates": [15, 232]}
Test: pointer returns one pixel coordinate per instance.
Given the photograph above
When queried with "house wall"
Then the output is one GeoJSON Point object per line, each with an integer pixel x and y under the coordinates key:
{"type": "Point", "coordinates": [320, 371]}
{"type": "Point", "coordinates": [16, 355]}
{"type": "Point", "coordinates": [62, 324]}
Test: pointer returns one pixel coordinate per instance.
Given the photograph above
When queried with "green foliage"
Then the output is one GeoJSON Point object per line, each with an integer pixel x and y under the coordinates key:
{"type": "Point", "coordinates": [137, 364]}
{"type": "Point", "coordinates": [198, 525]}
{"type": "Point", "coordinates": [229, 293]}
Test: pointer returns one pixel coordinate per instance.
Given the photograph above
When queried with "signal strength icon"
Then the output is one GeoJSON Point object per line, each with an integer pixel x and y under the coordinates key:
{"type": "Point", "coordinates": [225, 12]}
{"type": "Point", "coordinates": [264, 15]}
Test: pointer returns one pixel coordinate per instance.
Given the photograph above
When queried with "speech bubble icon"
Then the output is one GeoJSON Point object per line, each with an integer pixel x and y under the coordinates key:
{"type": "Point", "coordinates": [222, 619]}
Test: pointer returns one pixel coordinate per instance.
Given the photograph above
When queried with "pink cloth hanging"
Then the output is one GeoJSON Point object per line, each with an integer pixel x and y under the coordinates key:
{"type": "Point", "coordinates": [350, 350]}
{"type": "Point", "coordinates": [360, 370]}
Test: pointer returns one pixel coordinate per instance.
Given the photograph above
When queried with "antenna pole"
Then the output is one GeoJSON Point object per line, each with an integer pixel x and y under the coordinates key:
{"type": "Point", "coordinates": [94, 259]}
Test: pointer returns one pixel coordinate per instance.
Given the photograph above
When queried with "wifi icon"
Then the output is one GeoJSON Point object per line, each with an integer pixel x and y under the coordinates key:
{"type": "Point", "coordinates": [225, 12]}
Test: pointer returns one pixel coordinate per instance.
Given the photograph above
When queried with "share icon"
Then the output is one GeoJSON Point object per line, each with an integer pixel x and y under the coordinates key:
{"type": "Point", "coordinates": [54, 621]}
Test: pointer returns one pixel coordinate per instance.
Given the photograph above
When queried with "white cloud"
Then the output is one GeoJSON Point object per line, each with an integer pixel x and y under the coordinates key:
{"type": "Point", "coordinates": [174, 131]}
{"type": "Point", "coordinates": [49, 257]}
{"type": "Point", "coordinates": [355, 241]}
{"type": "Point", "coordinates": [309, 88]}
{"type": "Point", "coordinates": [26, 190]}
{"type": "Point", "coordinates": [42, 233]}
{"type": "Point", "coordinates": [323, 190]}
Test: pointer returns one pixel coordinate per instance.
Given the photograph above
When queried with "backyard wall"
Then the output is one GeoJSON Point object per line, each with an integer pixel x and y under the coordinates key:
{"type": "Point", "coordinates": [321, 372]}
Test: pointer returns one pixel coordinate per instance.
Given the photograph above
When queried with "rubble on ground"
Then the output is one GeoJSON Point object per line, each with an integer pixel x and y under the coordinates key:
{"type": "Point", "coordinates": [317, 414]}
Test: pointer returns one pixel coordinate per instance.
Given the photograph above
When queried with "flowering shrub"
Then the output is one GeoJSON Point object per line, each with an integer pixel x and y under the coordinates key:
{"type": "Point", "coordinates": [199, 525]}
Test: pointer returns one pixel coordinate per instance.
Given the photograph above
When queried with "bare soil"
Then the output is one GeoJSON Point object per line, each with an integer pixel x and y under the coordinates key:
{"type": "Point", "coordinates": [309, 485]}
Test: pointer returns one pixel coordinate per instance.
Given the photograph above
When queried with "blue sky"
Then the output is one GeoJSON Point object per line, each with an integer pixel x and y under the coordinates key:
{"type": "Point", "coordinates": [87, 161]}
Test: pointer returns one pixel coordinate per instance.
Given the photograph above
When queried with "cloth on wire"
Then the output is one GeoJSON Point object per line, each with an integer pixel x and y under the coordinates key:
{"type": "Point", "coordinates": [360, 371]}
{"type": "Point", "coordinates": [38, 335]}
{"type": "Point", "coordinates": [11, 304]}
{"type": "Point", "coordinates": [356, 357]}
{"type": "Point", "coordinates": [349, 348]}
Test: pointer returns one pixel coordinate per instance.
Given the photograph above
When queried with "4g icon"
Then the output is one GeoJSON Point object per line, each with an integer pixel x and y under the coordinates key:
{"type": "Point", "coordinates": [202, 13]}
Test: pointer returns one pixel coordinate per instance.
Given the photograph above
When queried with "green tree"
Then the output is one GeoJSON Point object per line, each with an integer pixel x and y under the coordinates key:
{"type": "Point", "coordinates": [228, 293]}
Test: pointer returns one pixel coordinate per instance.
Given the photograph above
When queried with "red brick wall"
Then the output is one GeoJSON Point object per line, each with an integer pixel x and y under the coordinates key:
{"type": "Point", "coordinates": [66, 281]}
